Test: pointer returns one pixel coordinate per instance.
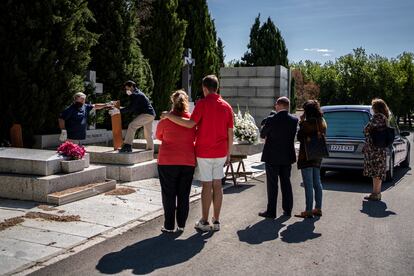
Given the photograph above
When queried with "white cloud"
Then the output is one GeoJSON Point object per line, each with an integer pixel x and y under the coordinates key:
{"type": "Point", "coordinates": [326, 55]}
{"type": "Point", "coordinates": [319, 50]}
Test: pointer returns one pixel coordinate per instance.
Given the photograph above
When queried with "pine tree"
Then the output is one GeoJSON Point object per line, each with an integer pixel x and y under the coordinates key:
{"type": "Point", "coordinates": [201, 37]}
{"type": "Point", "coordinates": [162, 44]}
{"type": "Point", "coordinates": [267, 46]}
{"type": "Point", "coordinates": [45, 51]}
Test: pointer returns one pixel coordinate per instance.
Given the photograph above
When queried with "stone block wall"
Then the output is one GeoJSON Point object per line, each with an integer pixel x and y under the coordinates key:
{"type": "Point", "coordinates": [254, 87]}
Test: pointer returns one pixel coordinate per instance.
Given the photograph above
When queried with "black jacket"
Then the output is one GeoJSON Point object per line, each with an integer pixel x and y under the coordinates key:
{"type": "Point", "coordinates": [279, 131]}
{"type": "Point", "coordinates": [138, 104]}
{"type": "Point", "coordinates": [264, 120]}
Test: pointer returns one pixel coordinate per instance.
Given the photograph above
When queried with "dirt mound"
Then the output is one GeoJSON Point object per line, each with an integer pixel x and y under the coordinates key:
{"type": "Point", "coordinates": [10, 223]}
{"type": "Point", "coordinates": [121, 191]}
{"type": "Point", "coordinates": [34, 215]}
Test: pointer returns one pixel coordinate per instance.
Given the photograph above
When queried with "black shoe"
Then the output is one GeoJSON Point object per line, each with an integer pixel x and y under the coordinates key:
{"type": "Point", "coordinates": [265, 214]}
{"type": "Point", "coordinates": [287, 214]}
{"type": "Point", "coordinates": [126, 148]}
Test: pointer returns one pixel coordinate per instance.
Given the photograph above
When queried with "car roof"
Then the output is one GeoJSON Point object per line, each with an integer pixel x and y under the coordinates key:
{"type": "Point", "coordinates": [331, 108]}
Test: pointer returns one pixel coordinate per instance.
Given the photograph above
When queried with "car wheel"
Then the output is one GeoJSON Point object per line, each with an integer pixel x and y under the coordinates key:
{"type": "Point", "coordinates": [390, 172]}
{"type": "Point", "coordinates": [406, 162]}
{"type": "Point", "coordinates": [323, 173]}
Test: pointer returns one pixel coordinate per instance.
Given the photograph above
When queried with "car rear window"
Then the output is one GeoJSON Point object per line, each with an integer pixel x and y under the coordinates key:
{"type": "Point", "coordinates": [346, 123]}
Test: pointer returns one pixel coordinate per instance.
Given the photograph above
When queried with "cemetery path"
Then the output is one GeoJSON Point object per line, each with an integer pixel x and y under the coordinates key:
{"type": "Point", "coordinates": [353, 237]}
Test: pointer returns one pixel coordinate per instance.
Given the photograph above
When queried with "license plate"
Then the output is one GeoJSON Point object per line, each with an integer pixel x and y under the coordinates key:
{"type": "Point", "coordinates": [342, 148]}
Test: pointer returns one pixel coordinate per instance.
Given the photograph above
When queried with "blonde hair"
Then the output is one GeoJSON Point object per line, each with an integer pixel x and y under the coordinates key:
{"type": "Point", "coordinates": [179, 100]}
{"type": "Point", "coordinates": [379, 106]}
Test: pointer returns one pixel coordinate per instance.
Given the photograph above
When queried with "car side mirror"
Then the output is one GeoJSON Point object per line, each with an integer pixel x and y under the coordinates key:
{"type": "Point", "coordinates": [404, 133]}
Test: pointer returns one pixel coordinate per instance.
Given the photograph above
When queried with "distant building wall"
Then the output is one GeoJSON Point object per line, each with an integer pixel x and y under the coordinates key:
{"type": "Point", "coordinates": [254, 87]}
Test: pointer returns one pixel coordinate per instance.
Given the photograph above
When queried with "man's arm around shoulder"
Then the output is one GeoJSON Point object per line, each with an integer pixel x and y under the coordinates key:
{"type": "Point", "coordinates": [185, 122]}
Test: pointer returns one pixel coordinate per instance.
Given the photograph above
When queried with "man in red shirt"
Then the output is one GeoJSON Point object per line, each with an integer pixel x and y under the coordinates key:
{"type": "Point", "coordinates": [213, 117]}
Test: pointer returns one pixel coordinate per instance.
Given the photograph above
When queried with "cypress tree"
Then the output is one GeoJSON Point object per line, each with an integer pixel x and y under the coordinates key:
{"type": "Point", "coordinates": [220, 52]}
{"type": "Point", "coordinates": [45, 51]}
{"type": "Point", "coordinates": [267, 46]}
{"type": "Point", "coordinates": [202, 39]}
{"type": "Point", "coordinates": [162, 44]}
{"type": "Point", "coordinates": [118, 56]}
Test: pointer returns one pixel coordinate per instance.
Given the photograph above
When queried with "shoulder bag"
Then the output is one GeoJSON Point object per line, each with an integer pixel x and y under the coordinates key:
{"type": "Point", "coordinates": [315, 145]}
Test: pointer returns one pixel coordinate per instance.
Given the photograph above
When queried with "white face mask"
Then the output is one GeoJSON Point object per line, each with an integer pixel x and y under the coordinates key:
{"type": "Point", "coordinates": [129, 92]}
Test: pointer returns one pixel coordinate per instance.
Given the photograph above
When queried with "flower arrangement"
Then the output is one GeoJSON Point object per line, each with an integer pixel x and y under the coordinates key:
{"type": "Point", "coordinates": [71, 150]}
{"type": "Point", "coordinates": [245, 129]}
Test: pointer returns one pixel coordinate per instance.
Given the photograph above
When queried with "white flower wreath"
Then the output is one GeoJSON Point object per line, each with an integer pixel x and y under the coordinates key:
{"type": "Point", "coordinates": [245, 129]}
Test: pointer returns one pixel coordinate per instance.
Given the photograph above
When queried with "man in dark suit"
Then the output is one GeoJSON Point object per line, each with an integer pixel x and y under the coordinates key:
{"type": "Point", "coordinates": [279, 155]}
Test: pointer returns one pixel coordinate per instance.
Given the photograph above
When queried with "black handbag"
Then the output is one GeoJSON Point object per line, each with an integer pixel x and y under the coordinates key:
{"type": "Point", "coordinates": [315, 146]}
{"type": "Point", "coordinates": [382, 137]}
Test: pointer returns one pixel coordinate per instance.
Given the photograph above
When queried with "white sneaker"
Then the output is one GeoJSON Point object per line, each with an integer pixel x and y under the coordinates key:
{"type": "Point", "coordinates": [202, 225]}
{"type": "Point", "coordinates": [180, 229]}
{"type": "Point", "coordinates": [164, 230]}
{"type": "Point", "coordinates": [216, 225]}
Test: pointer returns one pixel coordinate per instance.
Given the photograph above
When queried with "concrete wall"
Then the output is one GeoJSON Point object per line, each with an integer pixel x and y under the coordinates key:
{"type": "Point", "coordinates": [255, 87]}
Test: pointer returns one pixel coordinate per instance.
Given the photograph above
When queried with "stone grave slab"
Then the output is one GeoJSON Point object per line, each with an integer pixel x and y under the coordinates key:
{"type": "Point", "coordinates": [77, 228]}
{"type": "Point", "coordinates": [29, 161]}
{"type": "Point", "coordinates": [108, 210]}
{"type": "Point", "coordinates": [148, 184]}
{"type": "Point", "coordinates": [245, 149]}
{"type": "Point", "coordinates": [107, 155]}
{"type": "Point", "coordinates": [26, 187]}
{"type": "Point", "coordinates": [10, 264]}
{"type": "Point", "coordinates": [142, 143]}
{"type": "Point", "coordinates": [140, 171]}
{"type": "Point", "coordinates": [41, 236]}
{"type": "Point", "coordinates": [26, 250]}
{"type": "Point", "coordinates": [16, 205]}
{"type": "Point", "coordinates": [7, 214]}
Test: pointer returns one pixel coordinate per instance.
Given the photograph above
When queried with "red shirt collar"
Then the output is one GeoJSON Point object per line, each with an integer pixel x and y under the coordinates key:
{"type": "Point", "coordinates": [213, 96]}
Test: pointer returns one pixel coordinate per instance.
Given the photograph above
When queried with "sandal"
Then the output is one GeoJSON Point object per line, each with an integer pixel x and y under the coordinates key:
{"type": "Point", "coordinates": [317, 212]}
{"type": "Point", "coordinates": [305, 214]}
{"type": "Point", "coordinates": [373, 197]}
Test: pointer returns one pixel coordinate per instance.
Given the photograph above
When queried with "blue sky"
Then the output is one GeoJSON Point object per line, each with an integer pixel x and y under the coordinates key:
{"type": "Point", "coordinates": [319, 30]}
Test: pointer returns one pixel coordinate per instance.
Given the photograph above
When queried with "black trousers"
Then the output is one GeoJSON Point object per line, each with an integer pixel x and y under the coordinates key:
{"type": "Point", "coordinates": [175, 189]}
{"type": "Point", "coordinates": [273, 172]}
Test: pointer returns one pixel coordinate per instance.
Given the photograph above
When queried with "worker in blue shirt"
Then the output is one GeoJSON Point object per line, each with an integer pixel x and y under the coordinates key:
{"type": "Point", "coordinates": [144, 113]}
{"type": "Point", "coordinates": [73, 121]}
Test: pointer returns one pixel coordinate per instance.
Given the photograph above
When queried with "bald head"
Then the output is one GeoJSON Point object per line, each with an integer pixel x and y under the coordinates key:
{"type": "Point", "coordinates": [282, 103]}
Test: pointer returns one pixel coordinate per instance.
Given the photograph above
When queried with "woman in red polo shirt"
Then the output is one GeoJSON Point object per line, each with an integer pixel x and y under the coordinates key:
{"type": "Point", "coordinates": [176, 163]}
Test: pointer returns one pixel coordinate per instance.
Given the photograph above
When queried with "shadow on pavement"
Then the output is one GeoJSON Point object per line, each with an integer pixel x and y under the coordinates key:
{"type": "Point", "coordinates": [237, 189]}
{"type": "Point", "coordinates": [264, 230]}
{"type": "Point", "coordinates": [259, 167]}
{"type": "Point", "coordinates": [151, 254]}
{"type": "Point", "coordinates": [376, 209]}
{"type": "Point", "coordinates": [354, 181]}
{"type": "Point", "coordinates": [300, 231]}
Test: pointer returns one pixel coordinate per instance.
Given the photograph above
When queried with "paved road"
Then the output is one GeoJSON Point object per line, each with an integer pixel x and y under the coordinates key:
{"type": "Point", "coordinates": [354, 237]}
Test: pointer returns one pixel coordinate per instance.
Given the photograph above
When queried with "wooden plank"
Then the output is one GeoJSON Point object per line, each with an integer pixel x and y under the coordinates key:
{"type": "Point", "coordinates": [16, 136]}
{"type": "Point", "coordinates": [61, 198]}
{"type": "Point", "coordinates": [116, 121]}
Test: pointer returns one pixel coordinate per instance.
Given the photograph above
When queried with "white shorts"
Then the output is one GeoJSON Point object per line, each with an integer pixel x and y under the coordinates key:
{"type": "Point", "coordinates": [209, 169]}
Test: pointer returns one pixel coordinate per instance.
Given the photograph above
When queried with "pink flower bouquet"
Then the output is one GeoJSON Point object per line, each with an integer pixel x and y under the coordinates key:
{"type": "Point", "coordinates": [71, 150]}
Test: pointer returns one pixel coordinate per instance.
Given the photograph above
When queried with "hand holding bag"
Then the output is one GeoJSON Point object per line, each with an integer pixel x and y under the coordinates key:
{"type": "Point", "coordinates": [315, 145]}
